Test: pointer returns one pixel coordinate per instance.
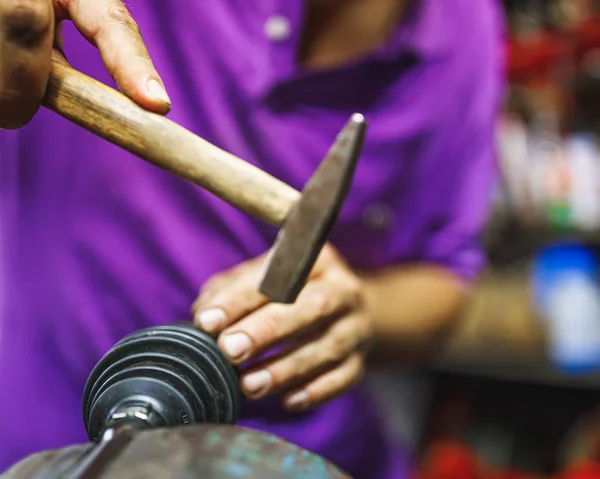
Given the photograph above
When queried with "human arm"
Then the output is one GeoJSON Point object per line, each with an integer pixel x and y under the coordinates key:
{"type": "Point", "coordinates": [419, 272]}
{"type": "Point", "coordinates": [416, 301]}
{"type": "Point", "coordinates": [414, 309]}
{"type": "Point", "coordinates": [324, 336]}
{"type": "Point", "coordinates": [30, 39]}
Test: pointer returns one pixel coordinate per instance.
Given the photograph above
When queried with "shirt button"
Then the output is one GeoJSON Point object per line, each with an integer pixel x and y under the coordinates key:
{"type": "Point", "coordinates": [277, 28]}
{"type": "Point", "coordinates": [378, 216]}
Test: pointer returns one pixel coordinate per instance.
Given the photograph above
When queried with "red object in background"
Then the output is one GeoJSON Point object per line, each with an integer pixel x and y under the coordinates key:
{"type": "Point", "coordinates": [585, 470]}
{"type": "Point", "coordinates": [447, 459]}
{"type": "Point", "coordinates": [451, 460]}
{"type": "Point", "coordinates": [511, 475]}
{"type": "Point", "coordinates": [588, 35]}
{"type": "Point", "coordinates": [532, 59]}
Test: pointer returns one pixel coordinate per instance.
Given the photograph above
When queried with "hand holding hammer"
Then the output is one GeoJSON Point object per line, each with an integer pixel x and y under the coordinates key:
{"type": "Point", "coordinates": [29, 78]}
{"type": "Point", "coordinates": [305, 219]}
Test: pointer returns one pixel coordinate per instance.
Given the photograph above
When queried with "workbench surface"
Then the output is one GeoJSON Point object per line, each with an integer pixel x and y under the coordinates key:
{"type": "Point", "coordinates": [500, 335]}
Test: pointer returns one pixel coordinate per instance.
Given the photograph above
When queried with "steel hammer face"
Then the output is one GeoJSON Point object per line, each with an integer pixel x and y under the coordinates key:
{"type": "Point", "coordinates": [311, 218]}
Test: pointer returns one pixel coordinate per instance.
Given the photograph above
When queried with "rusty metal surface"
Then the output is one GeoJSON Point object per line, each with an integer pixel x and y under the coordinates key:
{"type": "Point", "coordinates": [191, 452]}
{"type": "Point", "coordinates": [311, 219]}
{"type": "Point", "coordinates": [47, 464]}
{"type": "Point", "coordinates": [93, 464]}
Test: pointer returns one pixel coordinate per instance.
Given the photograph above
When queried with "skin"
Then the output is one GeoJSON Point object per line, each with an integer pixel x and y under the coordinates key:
{"type": "Point", "coordinates": [338, 31]}
{"type": "Point", "coordinates": [327, 332]}
{"type": "Point", "coordinates": [410, 328]}
{"type": "Point", "coordinates": [30, 39]}
{"type": "Point", "coordinates": [323, 339]}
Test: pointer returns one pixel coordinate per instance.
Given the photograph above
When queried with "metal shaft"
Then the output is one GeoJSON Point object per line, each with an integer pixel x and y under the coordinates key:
{"type": "Point", "coordinates": [93, 464]}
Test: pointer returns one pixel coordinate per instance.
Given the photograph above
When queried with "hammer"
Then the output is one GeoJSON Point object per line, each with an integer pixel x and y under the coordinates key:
{"type": "Point", "coordinates": [305, 219]}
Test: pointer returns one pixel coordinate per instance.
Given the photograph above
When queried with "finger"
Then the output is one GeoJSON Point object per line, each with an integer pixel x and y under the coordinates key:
{"type": "Point", "coordinates": [108, 25]}
{"type": "Point", "coordinates": [223, 313]}
{"type": "Point", "coordinates": [227, 297]}
{"type": "Point", "coordinates": [318, 302]}
{"type": "Point", "coordinates": [58, 56]}
{"type": "Point", "coordinates": [210, 288]}
{"type": "Point", "coordinates": [231, 295]}
{"type": "Point", "coordinates": [327, 386]}
{"type": "Point", "coordinates": [26, 37]}
{"type": "Point", "coordinates": [58, 53]}
{"type": "Point", "coordinates": [253, 269]}
{"type": "Point", "coordinates": [303, 363]}
{"type": "Point", "coordinates": [218, 282]}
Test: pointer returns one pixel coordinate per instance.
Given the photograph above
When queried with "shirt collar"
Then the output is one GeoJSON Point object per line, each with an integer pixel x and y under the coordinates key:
{"type": "Point", "coordinates": [423, 35]}
{"type": "Point", "coordinates": [425, 32]}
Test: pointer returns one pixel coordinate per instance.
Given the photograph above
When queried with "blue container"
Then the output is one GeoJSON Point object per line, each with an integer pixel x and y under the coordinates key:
{"type": "Point", "coordinates": [567, 293]}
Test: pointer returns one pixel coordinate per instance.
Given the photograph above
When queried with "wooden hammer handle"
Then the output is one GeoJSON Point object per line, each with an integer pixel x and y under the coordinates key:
{"type": "Point", "coordinates": [114, 117]}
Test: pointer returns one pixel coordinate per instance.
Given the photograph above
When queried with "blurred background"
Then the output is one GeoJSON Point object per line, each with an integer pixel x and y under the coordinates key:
{"type": "Point", "coordinates": [517, 392]}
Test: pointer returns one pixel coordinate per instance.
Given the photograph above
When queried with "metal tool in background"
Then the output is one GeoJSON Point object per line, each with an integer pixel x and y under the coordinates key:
{"type": "Point", "coordinates": [305, 218]}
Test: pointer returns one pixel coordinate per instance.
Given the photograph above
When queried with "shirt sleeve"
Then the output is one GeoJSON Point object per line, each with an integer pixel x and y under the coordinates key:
{"type": "Point", "coordinates": [453, 235]}
{"type": "Point", "coordinates": [451, 189]}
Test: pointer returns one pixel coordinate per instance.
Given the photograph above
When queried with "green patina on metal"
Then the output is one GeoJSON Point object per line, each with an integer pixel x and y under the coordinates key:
{"type": "Point", "coordinates": [193, 452]}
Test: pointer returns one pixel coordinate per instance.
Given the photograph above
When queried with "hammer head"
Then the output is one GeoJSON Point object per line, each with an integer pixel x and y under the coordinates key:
{"type": "Point", "coordinates": [311, 219]}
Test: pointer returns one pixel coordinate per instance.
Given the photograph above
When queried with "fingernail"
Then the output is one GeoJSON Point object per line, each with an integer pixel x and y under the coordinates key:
{"type": "Point", "coordinates": [158, 92]}
{"type": "Point", "coordinates": [210, 320]}
{"type": "Point", "coordinates": [236, 345]}
{"type": "Point", "coordinates": [256, 383]}
{"type": "Point", "coordinates": [298, 400]}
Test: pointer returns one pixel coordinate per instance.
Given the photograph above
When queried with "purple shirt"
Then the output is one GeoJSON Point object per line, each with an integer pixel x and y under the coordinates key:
{"type": "Point", "coordinates": [97, 243]}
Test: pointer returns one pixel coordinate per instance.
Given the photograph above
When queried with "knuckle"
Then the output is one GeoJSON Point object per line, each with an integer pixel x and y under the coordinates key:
{"type": "Point", "coordinates": [327, 252]}
{"type": "Point", "coordinates": [337, 348]}
{"type": "Point", "coordinates": [215, 283]}
{"type": "Point", "coordinates": [247, 269]}
{"type": "Point", "coordinates": [270, 327]}
{"type": "Point", "coordinates": [354, 290]}
{"type": "Point", "coordinates": [26, 23]}
{"type": "Point", "coordinates": [277, 373]}
{"type": "Point", "coordinates": [321, 303]}
{"type": "Point", "coordinates": [301, 369]}
{"type": "Point", "coordinates": [207, 287]}
{"type": "Point", "coordinates": [118, 13]}
{"type": "Point", "coordinates": [308, 363]}
{"type": "Point", "coordinates": [282, 373]}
